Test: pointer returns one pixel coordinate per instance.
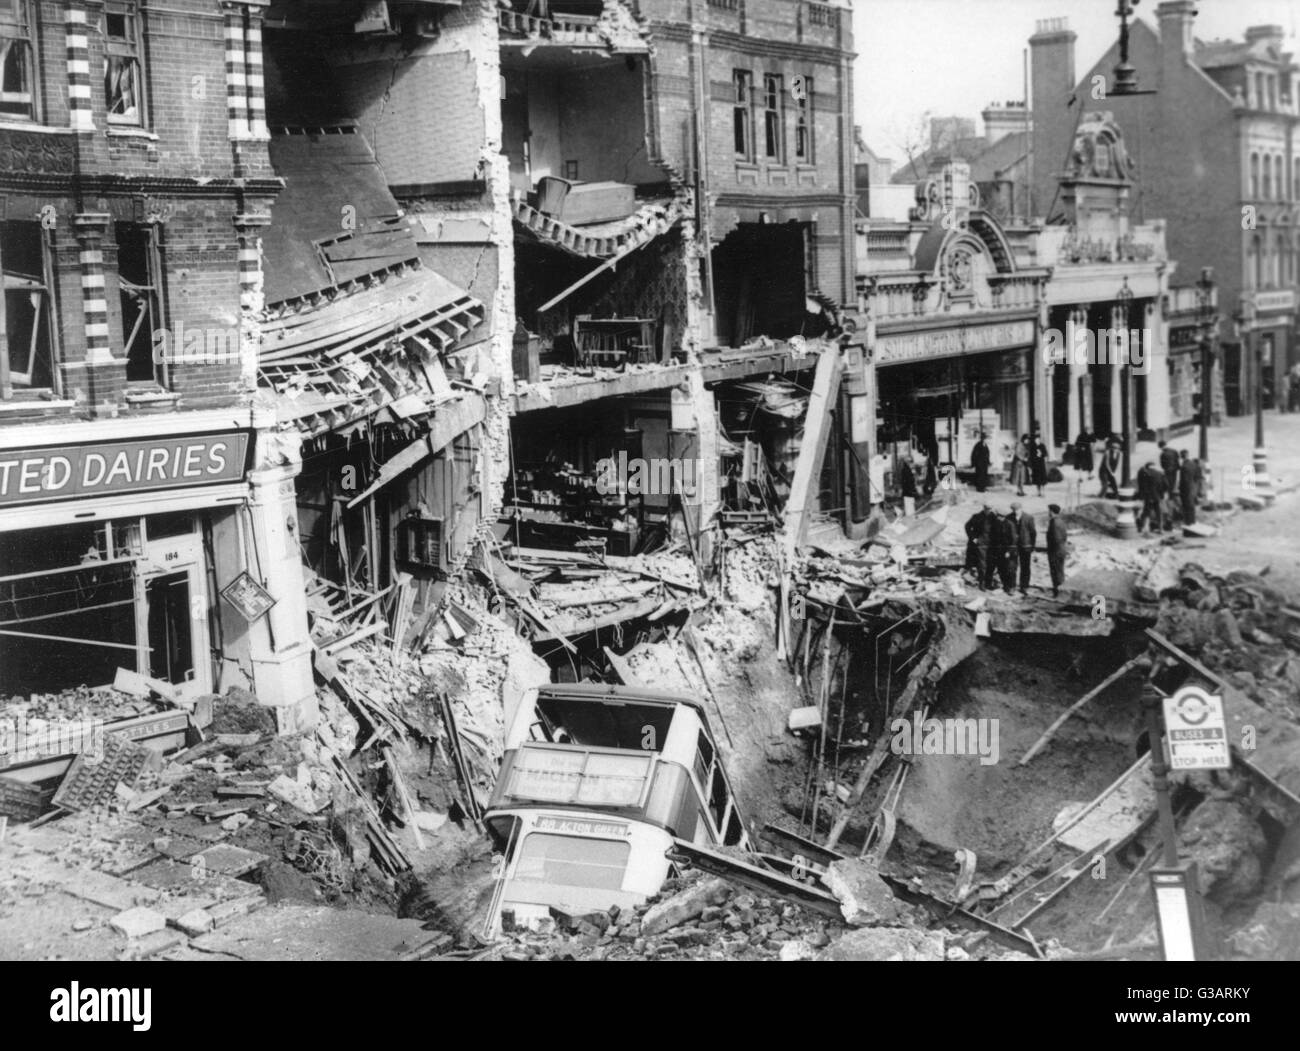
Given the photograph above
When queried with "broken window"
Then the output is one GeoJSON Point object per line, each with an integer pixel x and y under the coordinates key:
{"type": "Point", "coordinates": [773, 115]}
{"type": "Point", "coordinates": [17, 91]}
{"type": "Point", "coordinates": [27, 305]}
{"type": "Point", "coordinates": [803, 133]}
{"type": "Point", "coordinates": [743, 81]}
{"type": "Point", "coordinates": [123, 82]}
{"type": "Point", "coordinates": [138, 272]}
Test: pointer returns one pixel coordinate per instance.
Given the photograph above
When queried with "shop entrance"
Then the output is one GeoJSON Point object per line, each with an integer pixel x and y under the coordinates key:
{"type": "Point", "coordinates": [173, 618]}
{"type": "Point", "coordinates": [171, 642]}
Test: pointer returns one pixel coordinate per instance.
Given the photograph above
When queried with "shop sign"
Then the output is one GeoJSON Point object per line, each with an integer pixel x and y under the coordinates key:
{"type": "Point", "coordinates": [63, 472]}
{"type": "Point", "coordinates": [1282, 300]}
{"type": "Point", "coordinates": [947, 342]}
{"type": "Point", "coordinates": [248, 597]}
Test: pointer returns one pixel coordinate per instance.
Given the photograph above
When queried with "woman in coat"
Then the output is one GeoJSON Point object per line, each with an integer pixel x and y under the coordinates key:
{"type": "Point", "coordinates": [1038, 463]}
{"type": "Point", "coordinates": [1020, 465]}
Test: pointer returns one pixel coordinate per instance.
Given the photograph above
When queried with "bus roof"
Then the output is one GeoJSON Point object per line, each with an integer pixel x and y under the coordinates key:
{"type": "Point", "coordinates": [601, 691]}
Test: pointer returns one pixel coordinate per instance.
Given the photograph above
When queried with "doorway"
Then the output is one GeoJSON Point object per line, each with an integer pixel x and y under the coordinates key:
{"type": "Point", "coordinates": [171, 636]}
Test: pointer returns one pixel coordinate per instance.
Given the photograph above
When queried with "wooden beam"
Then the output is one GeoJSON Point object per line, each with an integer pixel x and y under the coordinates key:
{"type": "Point", "coordinates": [812, 450]}
{"type": "Point", "coordinates": [1114, 677]}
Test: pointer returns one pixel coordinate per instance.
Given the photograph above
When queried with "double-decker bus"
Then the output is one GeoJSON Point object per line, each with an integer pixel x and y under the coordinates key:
{"type": "Point", "coordinates": [596, 783]}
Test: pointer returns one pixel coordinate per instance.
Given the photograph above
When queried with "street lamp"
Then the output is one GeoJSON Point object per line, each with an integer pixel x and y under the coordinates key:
{"type": "Point", "coordinates": [1125, 300]}
{"type": "Point", "coordinates": [1126, 507]}
{"type": "Point", "coordinates": [1209, 325]}
{"type": "Point", "coordinates": [1259, 481]}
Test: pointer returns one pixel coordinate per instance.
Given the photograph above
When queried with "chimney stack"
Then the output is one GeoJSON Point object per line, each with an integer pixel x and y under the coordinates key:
{"type": "Point", "coordinates": [1176, 19]}
{"type": "Point", "coordinates": [1051, 65]}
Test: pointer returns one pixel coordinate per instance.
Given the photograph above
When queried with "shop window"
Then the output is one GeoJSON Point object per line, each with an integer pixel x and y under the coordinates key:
{"type": "Point", "coordinates": [773, 114]}
{"type": "Point", "coordinates": [67, 605]}
{"type": "Point", "coordinates": [803, 125]}
{"type": "Point", "coordinates": [123, 79]}
{"type": "Point", "coordinates": [17, 70]}
{"type": "Point", "coordinates": [139, 281]}
{"type": "Point", "coordinates": [27, 305]}
{"type": "Point", "coordinates": [742, 116]}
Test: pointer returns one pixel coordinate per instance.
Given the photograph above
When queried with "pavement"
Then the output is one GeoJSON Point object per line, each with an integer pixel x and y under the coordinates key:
{"type": "Point", "coordinates": [1247, 539]}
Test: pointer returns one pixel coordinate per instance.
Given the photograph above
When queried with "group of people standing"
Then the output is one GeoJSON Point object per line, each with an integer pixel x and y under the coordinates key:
{"type": "Point", "coordinates": [1003, 545]}
{"type": "Point", "coordinates": [1169, 489]}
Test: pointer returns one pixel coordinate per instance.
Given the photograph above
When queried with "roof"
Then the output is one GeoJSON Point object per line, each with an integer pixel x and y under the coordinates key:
{"type": "Point", "coordinates": [336, 220]}
{"type": "Point", "coordinates": [966, 148]}
{"type": "Point", "coordinates": [993, 163]}
{"type": "Point", "coordinates": [1217, 54]}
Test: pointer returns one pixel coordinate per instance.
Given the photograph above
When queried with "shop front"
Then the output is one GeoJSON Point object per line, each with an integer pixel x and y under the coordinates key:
{"type": "Point", "coordinates": [941, 385]}
{"type": "Point", "coordinates": [148, 555]}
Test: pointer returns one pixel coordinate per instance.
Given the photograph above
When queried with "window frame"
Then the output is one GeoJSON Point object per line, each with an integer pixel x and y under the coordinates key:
{"type": "Point", "coordinates": [46, 315]}
{"type": "Point", "coordinates": [742, 114]}
{"type": "Point", "coordinates": [18, 26]}
{"type": "Point", "coordinates": [774, 117]}
{"type": "Point", "coordinates": [129, 47]}
{"type": "Point", "coordinates": [804, 139]}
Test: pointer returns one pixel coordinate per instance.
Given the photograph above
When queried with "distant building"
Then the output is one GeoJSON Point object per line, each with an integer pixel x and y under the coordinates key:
{"type": "Point", "coordinates": [1217, 154]}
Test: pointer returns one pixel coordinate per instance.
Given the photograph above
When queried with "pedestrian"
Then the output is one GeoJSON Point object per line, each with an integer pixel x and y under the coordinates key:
{"type": "Point", "coordinates": [1057, 545]}
{"type": "Point", "coordinates": [1026, 534]}
{"type": "Point", "coordinates": [1169, 463]}
{"type": "Point", "coordinates": [1189, 487]}
{"type": "Point", "coordinates": [907, 486]}
{"type": "Point", "coordinates": [1020, 465]}
{"type": "Point", "coordinates": [1293, 390]}
{"type": "Point", "coordinates": [1003, 550]}
{"type": "Point", "coordinates": [978, 533]}
{"type": "Point", "coordinates": [1083, 452]}
{"type": "Point", "coordinates": [979, 460]}
{"type": "Point", "coordinates": [1108, 471]}
{"type": "Point", "coordinates": [1038, 463]}
{"type": "Point", "coordinates": [1151, 491]}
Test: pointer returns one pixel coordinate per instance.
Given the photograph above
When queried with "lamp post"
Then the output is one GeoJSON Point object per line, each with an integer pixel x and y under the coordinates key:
{"type": "Point", "coordinates": [1259, 480]}
{"type": "Point", "coordinates": [1125, 300]}
{"type": "Point", "coordinates": [1209, 323]}
{"type": "Point", "coordinates": [1126, 509]}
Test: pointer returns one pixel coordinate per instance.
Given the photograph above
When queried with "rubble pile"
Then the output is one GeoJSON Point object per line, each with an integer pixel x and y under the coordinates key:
{"type": "Point", "coordinates": [700, 917]}
{"type": "Point", "coordinates": [1240, 627]}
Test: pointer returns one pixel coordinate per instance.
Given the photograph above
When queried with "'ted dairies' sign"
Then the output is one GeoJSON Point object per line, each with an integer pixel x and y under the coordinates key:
{"type": "Point", "coordinates": [30, 476]}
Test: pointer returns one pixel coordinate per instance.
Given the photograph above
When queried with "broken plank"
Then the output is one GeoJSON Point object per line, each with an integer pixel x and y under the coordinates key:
{"type": "Point", "coordinates": [758, 879]}
{"type": "Point", "coordinates": [1110, 679]}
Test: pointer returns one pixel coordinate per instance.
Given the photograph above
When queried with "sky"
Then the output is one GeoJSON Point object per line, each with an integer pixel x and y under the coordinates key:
{"type": "Point", "coordinates": [954, 57]}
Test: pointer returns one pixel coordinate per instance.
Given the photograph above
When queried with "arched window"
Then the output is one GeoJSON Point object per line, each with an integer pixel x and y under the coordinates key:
{"type": "Point", "coordinates": [1259, 90]}
{"type": "Point", "coordinates": [1268, 178]}
{"type": "Point", "coordinates": [1254, 262]}
{"type": "Point", "coordinates": [1279, 253]}
{"type": "Point", "coordinates": [1254, 176]}
{"type": "Point", "coordinates": [1279, 180]}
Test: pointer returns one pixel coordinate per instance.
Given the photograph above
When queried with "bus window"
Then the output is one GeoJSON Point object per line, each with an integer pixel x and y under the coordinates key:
{"type": "Point", "coordinates": [735, 830]}
{"type": "Point", "coordinates": [718, 797]}
{"type": "Point", "coordinates": [573, 861]}
{"type": "Point", "coordinates": [703, 761]}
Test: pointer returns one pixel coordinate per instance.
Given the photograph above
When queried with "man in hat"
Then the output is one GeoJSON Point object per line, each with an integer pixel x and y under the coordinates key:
{"type": "Point", "coordinates": [978, 534]}
{"type": "Point", "coordinates": [1057, 544]}
{"type": "Point", "coordinates": [980, 458]}
{"type": "Point", "coordinates": [1002, 550]}
{"type": "Point", "coordinates": [1026, 533]}
{"type": "Point", "coordinates": [1108, 472]}
{"type": "Point", "coordinates": [1151, 490]}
